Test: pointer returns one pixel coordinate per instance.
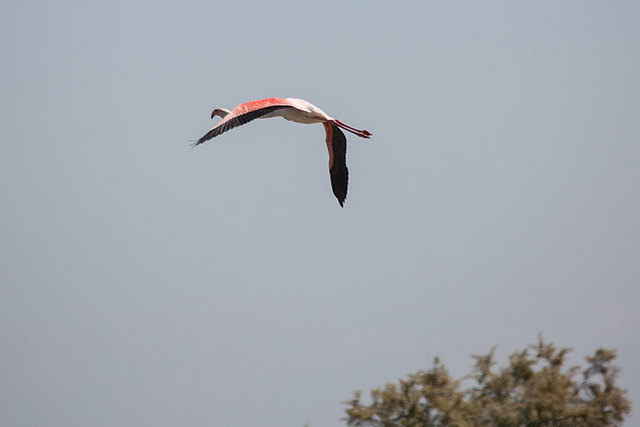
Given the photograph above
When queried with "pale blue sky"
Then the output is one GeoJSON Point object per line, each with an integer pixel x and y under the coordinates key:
{"type": "Point", "coordinates": [147, 283]}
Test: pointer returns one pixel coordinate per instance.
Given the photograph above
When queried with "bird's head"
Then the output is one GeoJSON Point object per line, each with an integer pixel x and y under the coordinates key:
{"type": "Point", "coordinates": [220, 112]}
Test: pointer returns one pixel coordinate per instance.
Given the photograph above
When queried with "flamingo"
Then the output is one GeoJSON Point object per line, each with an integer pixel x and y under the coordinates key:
{"type": "Point", "coordinates": [299, 111]}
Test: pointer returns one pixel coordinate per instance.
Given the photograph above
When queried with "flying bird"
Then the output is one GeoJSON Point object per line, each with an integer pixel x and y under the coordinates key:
{"type": "Point", "coordinates": [299, 111]}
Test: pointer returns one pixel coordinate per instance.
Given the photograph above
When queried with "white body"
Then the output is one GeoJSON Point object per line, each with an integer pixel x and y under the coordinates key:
{"type": "Point", "coordinates": [304, 112]}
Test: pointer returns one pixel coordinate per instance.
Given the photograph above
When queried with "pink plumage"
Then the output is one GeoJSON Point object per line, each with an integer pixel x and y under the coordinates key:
{"type": "Point", "coordinates": [299, 111]}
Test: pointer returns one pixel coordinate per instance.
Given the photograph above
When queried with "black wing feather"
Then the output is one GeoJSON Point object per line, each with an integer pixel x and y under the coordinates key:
{"type": "Point", "coordinates": [339, 172]}
{"type": "Point", "coordinates": [236, 121]}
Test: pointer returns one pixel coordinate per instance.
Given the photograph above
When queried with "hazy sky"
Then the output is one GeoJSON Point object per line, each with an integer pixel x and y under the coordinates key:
{"type": "Point", "coordinates": [147, 283]}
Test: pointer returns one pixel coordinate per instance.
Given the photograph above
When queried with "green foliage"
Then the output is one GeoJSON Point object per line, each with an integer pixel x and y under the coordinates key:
{"type": "Point", "coordinates": [534, 389]}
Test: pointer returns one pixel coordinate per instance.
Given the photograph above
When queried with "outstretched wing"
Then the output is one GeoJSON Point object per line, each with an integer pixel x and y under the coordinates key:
{"type": "Point", "coordinates": [244, 113]}
{"type": "Point", "coordinates": [337, 146]}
